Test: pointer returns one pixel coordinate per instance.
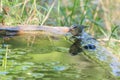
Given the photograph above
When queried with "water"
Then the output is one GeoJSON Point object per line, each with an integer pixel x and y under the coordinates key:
{"type": "Point", "coordinates": [40, 57]}
{"type": "Point", "coordinates": [93, 50]}
{"type": "Point", "coordinates": [101, 54]}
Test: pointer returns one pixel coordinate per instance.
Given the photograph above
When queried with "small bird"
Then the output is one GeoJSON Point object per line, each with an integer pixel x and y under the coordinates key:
{"type": "Point", "coordinates": [80, 37]}
{"type": "Point", "coordinates": [77, 30]}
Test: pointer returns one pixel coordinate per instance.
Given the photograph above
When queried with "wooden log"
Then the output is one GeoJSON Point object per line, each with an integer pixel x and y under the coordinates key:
{"type": "Point", "coordinates": [22, 29]}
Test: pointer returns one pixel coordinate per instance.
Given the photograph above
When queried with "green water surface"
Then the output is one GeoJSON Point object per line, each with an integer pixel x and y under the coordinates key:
{"type": "Point", "coordinates": [40, 57]}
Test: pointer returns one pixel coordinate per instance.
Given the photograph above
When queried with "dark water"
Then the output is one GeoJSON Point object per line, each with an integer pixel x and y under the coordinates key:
{"type": "Point", "coordinates": [38, 57]}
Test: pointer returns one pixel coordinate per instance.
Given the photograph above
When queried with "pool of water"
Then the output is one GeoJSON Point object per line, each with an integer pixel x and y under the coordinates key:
{"type": "Point", "coordinates": [44, 57]}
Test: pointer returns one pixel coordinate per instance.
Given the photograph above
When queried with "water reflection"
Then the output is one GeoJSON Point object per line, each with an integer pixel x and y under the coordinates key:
{"type": "Point", "coordinates": [46, 60]}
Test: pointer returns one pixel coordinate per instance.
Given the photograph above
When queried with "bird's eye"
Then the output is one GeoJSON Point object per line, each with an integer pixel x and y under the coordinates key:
{"type": "Point", "coordinates": [74, 27]}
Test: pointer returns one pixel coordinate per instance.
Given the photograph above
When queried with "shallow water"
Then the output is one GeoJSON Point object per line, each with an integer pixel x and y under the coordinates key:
{"type": "Point", "coordinates": [40, 57]}
{"type": "Point", "coordinates": [101, 54]}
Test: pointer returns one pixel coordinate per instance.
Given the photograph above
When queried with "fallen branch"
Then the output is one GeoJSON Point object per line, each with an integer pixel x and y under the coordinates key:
{"type": "Point", "coordinates": [22, 29]}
